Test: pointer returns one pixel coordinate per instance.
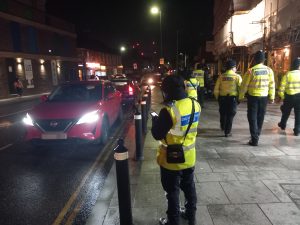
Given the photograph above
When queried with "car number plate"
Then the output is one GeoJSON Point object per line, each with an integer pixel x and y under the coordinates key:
{"type": "Point", "coordinates": [50, 136]}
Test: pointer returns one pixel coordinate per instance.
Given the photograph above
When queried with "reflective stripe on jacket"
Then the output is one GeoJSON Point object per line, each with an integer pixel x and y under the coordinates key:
{"type": "Point", "coordinates": [180, 112]}
{"type": "Point", "coordinates": [199, 75]}
{"type": "Point", "coordinates": [191, 86]}
{"type": "Point", "coordinates": [290, 83]}
{"type": "Point", "coordinates": [258, 81]}
{"type": "Point", "coordinates": [228, 84]}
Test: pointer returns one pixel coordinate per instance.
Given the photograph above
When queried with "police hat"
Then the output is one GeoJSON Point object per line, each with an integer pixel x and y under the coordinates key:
{"type": "Point", "coordinates": [296, 64]}
{"type": "Point", "coordinates": [172, 83]}
{"type": "Point", "coordinates": [259, 57]}
{"type": "Point", "coordinates": [230, 63]}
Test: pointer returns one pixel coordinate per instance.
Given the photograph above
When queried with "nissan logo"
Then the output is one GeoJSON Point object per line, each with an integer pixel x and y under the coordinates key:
{"type": "Point", "coordinates": [53, 124]}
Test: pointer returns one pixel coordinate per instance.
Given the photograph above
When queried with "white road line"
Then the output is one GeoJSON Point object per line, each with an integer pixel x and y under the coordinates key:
{"type": "Point", "coordinates": [5, 147]}
{"type": "Point", "coordinates": [11, 114]}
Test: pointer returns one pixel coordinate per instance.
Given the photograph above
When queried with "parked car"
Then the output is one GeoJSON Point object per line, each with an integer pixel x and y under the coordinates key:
{"type": "Point", "coordinates": [129, 88]}
{"type": "Point", "coordinates": [82, 110]}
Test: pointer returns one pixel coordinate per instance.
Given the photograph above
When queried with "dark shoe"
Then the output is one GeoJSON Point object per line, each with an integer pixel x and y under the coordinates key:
{"type": "Point", "coordinates": [253, 143]}
{"type": "Point", "coordinates": [228, 135]}
{"type": "Point", "coordinates": [163, 221]}
{"type": "Point", "coordinates": [296, 134]}
{"type": "Point", "coordinates": [281, 127]}
{"type": "Point", "coordinates": [183, 214]}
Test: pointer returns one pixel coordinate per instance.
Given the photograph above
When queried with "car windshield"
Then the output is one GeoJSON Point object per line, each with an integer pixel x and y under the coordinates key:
{"type": "Point", "coordinates": [120, 81]}
{"type": "Point", "coordinates": [76, 93]}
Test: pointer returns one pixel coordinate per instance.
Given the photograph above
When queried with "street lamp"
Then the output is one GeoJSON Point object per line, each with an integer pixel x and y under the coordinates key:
{"type": "Point", "coordinates": [155, 10]}
{"type": "Point", "coordinates": [122, 49]}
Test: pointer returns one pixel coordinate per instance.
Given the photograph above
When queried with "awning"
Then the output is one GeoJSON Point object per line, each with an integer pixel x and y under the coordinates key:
{"type": "Point", "coordinates": [224, 9]}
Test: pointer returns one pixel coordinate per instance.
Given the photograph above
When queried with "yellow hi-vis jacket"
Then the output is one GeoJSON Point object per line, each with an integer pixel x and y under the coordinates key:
{"type": "Point", "coordinates": [180, 112]}
{"type": "Point", "coordinates": [228, 84]}
{"type": "Point", "coordinates": [199, 75]}
{"type": "Point", "coordinates": [191, 86]}
{"type": "Point", "coordinates": [290, 83]}
{"type": "Point", "coordinates": [258, 81]}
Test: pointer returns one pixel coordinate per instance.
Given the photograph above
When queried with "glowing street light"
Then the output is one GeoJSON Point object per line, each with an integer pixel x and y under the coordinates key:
{"type": "Point", "coordinates": [122, 49]}
{"type": "Point", "coordinates": [155, 10]}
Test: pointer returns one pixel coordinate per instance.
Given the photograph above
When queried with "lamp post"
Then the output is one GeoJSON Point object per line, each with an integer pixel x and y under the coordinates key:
{"type": "Point", "coordinates": [155, 10]}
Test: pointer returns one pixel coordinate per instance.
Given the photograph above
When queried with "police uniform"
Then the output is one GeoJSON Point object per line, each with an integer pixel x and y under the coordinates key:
{"type": "Point", "coordinates": [226, 92]}
{"type": "Point", "coordinates": [170, 128]}
{"type": "Point", "coordinates": [191, 87]}
{"type": "Point", "coordinates": [289, 90]}
{"type": "Point", "coordinates": [258, 83]}
{"type": "Point", "coordinates": [199, 74]}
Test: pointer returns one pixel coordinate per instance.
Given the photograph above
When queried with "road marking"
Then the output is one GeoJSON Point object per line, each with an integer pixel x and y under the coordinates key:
{"type": "Point", "coordinates": [11, 114]}
{"type": "Point", "coordinates": [5, 147]}
{"type": "Point", "coordinates": [104, 153]}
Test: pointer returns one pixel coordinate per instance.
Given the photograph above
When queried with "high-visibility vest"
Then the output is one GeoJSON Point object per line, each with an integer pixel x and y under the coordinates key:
{"type": "Point", "coordinates": [191, 86]}
{"type": "Point", "coordinates": [199, 75]}
{"type": "Point", "coordinates": [258, 81]}
{"type": "Point", "coordinates": [180, 112]}
{"type": "Point", "coordinates": [290, 83]}
{"type": "Point", "coordinates": [228, 84]}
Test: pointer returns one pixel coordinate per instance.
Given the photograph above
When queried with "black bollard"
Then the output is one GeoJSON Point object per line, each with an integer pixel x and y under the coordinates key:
{"type": "Point", "coordinates": [144, 116]}
{"type": "Point", "coordinates": [123, 183]}
{"type": "Point", "coordinates": [148, 91]}
{"type": "Point", "coordinates": [138, 136]}
{"type": "Point", "coordinates": [146, 99]}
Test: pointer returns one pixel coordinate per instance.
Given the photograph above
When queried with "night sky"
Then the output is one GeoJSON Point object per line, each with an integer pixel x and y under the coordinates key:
{"type": "Point", "coordinates": [126, 22]}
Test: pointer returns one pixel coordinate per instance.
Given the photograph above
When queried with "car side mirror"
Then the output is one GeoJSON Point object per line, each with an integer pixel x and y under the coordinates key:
{"type": "Point", "coordinates": [44, 98]}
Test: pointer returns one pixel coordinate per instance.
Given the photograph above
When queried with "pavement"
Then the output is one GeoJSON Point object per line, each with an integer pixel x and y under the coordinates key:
{"type": "Point", "coordinates": [236, 184]}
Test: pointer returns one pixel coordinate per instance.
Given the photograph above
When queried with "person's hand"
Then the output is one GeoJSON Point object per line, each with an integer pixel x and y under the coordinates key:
{"type": "Point", "coordinates": [271, 101]}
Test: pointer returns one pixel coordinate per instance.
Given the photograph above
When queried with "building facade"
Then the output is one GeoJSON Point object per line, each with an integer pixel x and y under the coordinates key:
{"type": "Point", "coordinates": [37, 48]}
{"type": "Point", "coordinates": [243, 27]}
{"type": "Point", "coordinates": [95, 63]}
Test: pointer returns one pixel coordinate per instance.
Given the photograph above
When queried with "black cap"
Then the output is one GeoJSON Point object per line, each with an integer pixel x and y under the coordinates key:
{"type": "Point", "coordinates": [296, 64]}
{"type": "Point", "coordinates": [172, 84]}
{"type": "Point", "coordinates": [259, 57]}
{"type": "Point", "coordinates": [230, 63]}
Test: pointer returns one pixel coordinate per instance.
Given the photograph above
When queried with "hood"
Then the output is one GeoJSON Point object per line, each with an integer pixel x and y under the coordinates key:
{"type": "Point", "coordinates": [62, 110]}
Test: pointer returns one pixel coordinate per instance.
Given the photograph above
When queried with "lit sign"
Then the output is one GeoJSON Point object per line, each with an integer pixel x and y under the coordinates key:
{"type": "Point", "coordinates": [93, 65]}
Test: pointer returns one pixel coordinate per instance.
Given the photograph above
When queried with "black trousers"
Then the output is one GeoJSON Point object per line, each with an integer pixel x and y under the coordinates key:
{"type": "Point", "coordinates": [201, 95]}
{"type": "Point", "coordinates": [172, 181]}
{"type": "Point", "coordinates": [256, 114]}
{"type": "Point", "coordinates": [227, 109]}
{"type": "Point", "coordinates": [290, 102]}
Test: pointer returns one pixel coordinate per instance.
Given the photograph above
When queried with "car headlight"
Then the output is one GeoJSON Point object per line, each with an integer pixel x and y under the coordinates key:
{"type": "Point", "coordinates": [150, 81]}
{"type": "Point", "coordinates": [90, 117]}
{"type": "Point", "coordinates": [28, 120]}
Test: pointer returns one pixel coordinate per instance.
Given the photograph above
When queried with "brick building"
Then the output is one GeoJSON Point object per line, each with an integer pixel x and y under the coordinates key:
{"type": "Point", "coordinates": [36, 47]}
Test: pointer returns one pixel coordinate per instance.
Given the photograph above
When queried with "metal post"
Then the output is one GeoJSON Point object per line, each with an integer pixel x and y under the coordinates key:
{"type": "Point", "coordinates": [138, 136]}
{"type": "Point", "coordinates": [144, 116]}
{"type": "Point", "coordinates": [146, 99]}
{"type": "Point", "coordinates": [123, 183]}
{"type": "Point", "coordinates": [148, 91]}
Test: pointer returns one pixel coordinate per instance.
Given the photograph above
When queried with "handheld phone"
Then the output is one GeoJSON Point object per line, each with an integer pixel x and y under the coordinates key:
{"type": "Point", "coordinates": [153, 114]}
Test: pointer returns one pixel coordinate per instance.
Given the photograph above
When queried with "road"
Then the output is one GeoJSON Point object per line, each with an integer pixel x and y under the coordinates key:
{"type": "Point", "coordinates": [51, 184]}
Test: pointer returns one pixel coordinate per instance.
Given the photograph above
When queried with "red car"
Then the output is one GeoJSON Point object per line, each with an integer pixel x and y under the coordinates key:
{"type": "Point", "coordinates": [83, 110]}
{"type": "Point", "coordinates": [130, 89]}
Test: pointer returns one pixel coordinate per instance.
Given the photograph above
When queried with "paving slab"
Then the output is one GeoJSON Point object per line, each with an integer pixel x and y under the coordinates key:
{"type": "Point", "coordinates": [244, 214]}
{"type": "Point", "coordinates": [256, 175]}
{"type": "Point", "coordinates": [206, 177]}
{"type": "Point", "coordinates": [227, 165]}
{"type": "Point", "coordinates": [248, 192]}
{"type": "Point", "coordinates": [210, 193]}
{"type": "Point", "coordinates": [282, 213]}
